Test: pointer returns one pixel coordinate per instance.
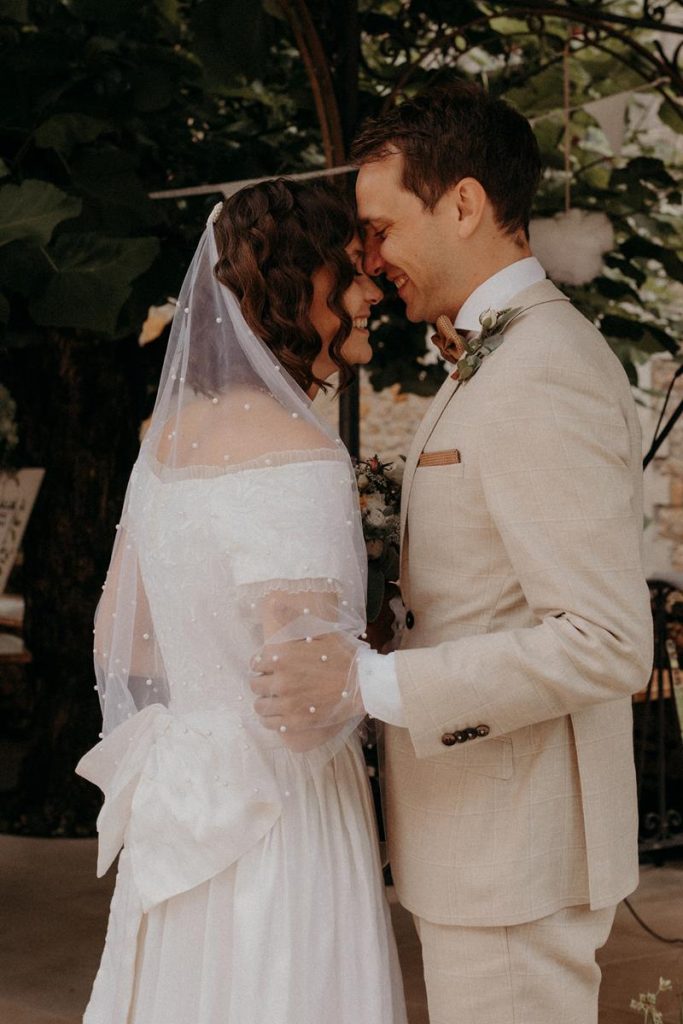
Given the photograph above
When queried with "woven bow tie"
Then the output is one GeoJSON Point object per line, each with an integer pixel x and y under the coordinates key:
{"type": "Point", "coordinates": [447, 340]}
{"type": "Point", "coordinates": [449, 343]}
{"type": "Point", "coordinates": [469, 351]}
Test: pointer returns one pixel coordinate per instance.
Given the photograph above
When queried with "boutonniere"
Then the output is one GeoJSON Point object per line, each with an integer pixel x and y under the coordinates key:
{"type": "Point", "coordinates": [469, 353]}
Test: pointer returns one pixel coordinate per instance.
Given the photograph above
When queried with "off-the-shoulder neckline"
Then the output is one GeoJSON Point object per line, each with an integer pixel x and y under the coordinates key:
{"type": "Point", "coordinates": [266, 461]}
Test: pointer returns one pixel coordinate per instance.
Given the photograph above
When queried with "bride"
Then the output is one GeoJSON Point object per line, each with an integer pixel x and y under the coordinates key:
{"type": "Point", "coordinates": [249, 889]}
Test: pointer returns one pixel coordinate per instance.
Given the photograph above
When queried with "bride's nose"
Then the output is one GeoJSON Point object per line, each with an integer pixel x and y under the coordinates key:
{"type": "Point", "coordinates": [372, 293]}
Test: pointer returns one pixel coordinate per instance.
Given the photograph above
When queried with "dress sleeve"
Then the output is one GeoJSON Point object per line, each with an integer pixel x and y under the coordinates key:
{"type": "Point", "coordinates": [296, 528]}
{"type": "Point", "coordinates": [298, 561]}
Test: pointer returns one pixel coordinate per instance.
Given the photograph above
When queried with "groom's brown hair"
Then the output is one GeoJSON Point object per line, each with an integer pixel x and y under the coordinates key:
{"type": "Point", "coordinates": [458, 131]}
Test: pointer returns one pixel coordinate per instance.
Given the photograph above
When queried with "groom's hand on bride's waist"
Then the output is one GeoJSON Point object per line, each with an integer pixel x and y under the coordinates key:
{"type": "Point", "coordinates": [306, 684]}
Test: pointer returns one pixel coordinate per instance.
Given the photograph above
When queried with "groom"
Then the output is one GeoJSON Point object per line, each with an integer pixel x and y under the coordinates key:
{"type": "Point", "coordinates": [511, 798]}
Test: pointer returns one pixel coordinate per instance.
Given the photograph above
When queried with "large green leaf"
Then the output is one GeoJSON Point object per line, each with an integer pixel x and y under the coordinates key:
{"type": "Point", "coordinates": [122, 13]}
{"type": "Point", "coordinates": [14, 10]}
{"type": "Point", "coordinates": [152, 90]}
{"type": "Point", "coordinates": [25, 268]}
{"type": "Point", "coordinates": [637, 247]}
{"type": "Point", "coordinates": [615, 290]}
{"type": "Point", "coordinates": [642, 169]}
{"type": "Point", "coordinates": [671, 116]}
{"type": "Point", "coordinates": [108, 175]}
{"type": "Point", "coordinates": [627, 268]}
{"type": "Point", "coordinates": [64, 131]}
{"type": "Point", "coordinates": [91, 281]}
{"type": "Point", "coordinates": [169, 9]}
{"type": "Point", "coordinates": [662, 339]}
{"type": "Point", "coordinates": [33, 210]}
{"type": "Point", "coordinates": [539, 94]}
{"type": "Point", "coordinates": [230, 39]}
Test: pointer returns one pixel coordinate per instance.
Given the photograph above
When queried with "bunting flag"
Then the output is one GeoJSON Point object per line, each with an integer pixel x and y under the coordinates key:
{"type": "Point", "coordinates": [610, 113]}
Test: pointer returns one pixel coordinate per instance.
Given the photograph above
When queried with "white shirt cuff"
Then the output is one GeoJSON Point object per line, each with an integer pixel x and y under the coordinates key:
{"type": "Point", "coordinates": [378, 684]}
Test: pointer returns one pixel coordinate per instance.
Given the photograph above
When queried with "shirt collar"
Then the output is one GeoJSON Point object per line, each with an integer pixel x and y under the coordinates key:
{"type": "Point", "coordinates": [496, 292]}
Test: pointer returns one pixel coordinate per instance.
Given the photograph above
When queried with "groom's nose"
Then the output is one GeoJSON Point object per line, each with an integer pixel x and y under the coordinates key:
{"type": "Point", "coordinates": [373, 263]}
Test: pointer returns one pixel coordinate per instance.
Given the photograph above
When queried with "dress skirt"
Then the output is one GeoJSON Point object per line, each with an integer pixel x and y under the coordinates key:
{"type": "Point", "coordinates": [296, 931]}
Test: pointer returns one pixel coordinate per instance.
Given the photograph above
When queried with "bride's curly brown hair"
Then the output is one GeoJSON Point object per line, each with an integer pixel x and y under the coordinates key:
{"type": "Point", "coordinates": [271, 238]}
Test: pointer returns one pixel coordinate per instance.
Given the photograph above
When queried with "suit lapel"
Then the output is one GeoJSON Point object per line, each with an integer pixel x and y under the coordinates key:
{"type": "Point", "coordinates": [441, 399]}
{"type": "Point", "coordinates": [535, 295]}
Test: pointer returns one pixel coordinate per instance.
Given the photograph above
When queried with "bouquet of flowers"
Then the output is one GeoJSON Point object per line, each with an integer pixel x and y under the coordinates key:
{"type": "Point", "coordinates": [379, 487]}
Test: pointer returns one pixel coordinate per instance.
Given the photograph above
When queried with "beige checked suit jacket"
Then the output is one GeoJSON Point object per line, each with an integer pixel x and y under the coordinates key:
{"type": "Point", "coordinates": [521, 566]}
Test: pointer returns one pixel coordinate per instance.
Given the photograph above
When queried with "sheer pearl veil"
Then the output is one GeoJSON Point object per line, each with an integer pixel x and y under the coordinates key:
{"type": "Point", "coordinates": [233, 443]}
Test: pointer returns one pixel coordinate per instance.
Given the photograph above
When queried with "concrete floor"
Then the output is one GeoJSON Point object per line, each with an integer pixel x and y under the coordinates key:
{"type": "Point", "coordinates": [53, 915]}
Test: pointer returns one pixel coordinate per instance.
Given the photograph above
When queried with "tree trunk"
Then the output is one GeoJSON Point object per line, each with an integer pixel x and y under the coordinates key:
{"type": "Point", "coordinates": [79, 405]}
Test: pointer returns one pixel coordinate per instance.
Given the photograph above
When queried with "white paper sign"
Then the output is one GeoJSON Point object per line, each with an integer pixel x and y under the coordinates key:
{"type": "Point", "coordinates": [18, 492]}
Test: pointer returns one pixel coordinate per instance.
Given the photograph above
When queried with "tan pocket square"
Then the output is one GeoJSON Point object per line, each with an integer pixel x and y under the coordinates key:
{"type": "Point", "coordinates": [449, 457]}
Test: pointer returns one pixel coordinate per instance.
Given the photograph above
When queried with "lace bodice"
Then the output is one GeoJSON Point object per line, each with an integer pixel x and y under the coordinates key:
{"type": "Point", "coordinates": [214, 544]}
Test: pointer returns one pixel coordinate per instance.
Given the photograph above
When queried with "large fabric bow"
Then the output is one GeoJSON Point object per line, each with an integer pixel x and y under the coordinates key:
{"type": "Point", "coordinates": [187, 794]}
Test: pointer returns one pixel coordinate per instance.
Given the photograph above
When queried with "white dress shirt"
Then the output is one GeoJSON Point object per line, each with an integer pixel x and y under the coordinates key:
{"type": "Point", "coordinates": [377, 672]}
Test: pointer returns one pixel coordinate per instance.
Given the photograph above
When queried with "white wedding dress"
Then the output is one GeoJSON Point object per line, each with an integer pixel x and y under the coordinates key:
{"type": "Point", "coordinates": [249, 889]}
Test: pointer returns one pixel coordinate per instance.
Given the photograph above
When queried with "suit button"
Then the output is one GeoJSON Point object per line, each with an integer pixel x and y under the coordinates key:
{"type": "Point", "coordinates": [448, 739]}
{"type": "Point", "coordinates": [410, 619]}
{"type": "Point", "coordinates": [471, 734]}
{"type": "Point", "coordinates": [482, 730]}
{"type": "Point", "coordinates": [460, 737]}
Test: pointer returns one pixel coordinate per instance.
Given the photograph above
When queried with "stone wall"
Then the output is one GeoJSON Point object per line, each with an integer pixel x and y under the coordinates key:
{"type": "Point", "coordinates": [664, 477]}
{"type": "Point", "coordinates": [388, 419]}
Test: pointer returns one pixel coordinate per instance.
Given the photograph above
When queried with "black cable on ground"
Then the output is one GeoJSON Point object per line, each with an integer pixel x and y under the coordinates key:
{"type": "Point", "coordinates": [650, 931]}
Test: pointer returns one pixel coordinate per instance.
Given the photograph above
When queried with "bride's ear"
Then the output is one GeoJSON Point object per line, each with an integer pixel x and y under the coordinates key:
{"type": "Point", "coordinates": [468, 201]}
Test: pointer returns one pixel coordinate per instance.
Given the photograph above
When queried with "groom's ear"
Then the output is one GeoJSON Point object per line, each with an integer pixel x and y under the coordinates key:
{"type": "Point", "coordinates": [467, 201]}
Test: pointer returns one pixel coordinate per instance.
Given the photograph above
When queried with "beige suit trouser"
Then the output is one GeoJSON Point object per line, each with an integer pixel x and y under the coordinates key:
{"type": "Point", "coordinates": [528, 973]}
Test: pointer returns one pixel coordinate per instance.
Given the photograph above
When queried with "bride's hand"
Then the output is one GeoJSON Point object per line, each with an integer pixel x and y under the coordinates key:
{"type": "Point", "coordinates": [307, 683]}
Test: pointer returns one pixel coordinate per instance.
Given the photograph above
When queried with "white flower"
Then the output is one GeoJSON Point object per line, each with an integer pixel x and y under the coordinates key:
{"type": "Point", "coordinates": [664, 984]}
{"type": "Point", "coordinates": [395, 471]}
{"type": "Point", "coordinates": [374, 502]}
{"type": "Point", "coordinates": [375, 517]}
{"type": "Point", "coordinates": [488, 319]}
{"type": "Point", "coordinates": [363, 482]}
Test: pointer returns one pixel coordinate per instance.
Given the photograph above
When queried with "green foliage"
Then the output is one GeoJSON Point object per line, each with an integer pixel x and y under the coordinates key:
{"type": "Point", "coordinates": [33, 210]}
{"type": "Point", "coordinates": [230, 39]}
{"type": "Point", "coordinates": [100, 104]}
{"type": "Point", "coordinates": [90, 280]}
{"type": "Point", "coordinates": [64, 132]}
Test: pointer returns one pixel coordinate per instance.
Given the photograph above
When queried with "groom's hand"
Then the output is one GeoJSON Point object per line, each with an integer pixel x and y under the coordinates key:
{"type": "Point", "coordinates": [307, 684]}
